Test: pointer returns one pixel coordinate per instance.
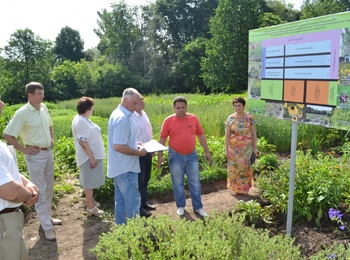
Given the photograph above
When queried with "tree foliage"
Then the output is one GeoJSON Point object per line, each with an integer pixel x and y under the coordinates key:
{"type": "Point", "coordinates": [167, 46]}
{"type": "Point", "coordinates": [225, 65]}
{"type": "Point", "coordinates": [118, 32]}
{"type": "Point", "coordinates": [27, 57]}
{"type": "Point", "coordinates": [186, 70]}
{"type": "Point", "coordinates": [69, 45]}
{"type": "Point", "coordinates": [185, 20]}
{"type": "Point", "coordinates": [314, 8]}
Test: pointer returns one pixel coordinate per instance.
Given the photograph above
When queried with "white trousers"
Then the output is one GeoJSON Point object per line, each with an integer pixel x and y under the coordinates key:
{"type": "Point", "coordinates": [40, 168]}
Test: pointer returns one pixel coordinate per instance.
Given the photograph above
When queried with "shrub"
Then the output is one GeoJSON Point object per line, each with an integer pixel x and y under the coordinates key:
{"type": "Point", "coordinates": [320, 183]}
{"type": "Point", "coordinates": [253, 212]}
{"type": "Point", "coordinates": [265, 163]}
{"type": "Point", "coordinates": [220, 237]}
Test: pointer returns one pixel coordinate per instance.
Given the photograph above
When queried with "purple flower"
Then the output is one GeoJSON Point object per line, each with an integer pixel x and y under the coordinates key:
{"type": "Point", "coordinates": [336, 216]}
{"type": "Point", "coordinates": [331, 256]}
{"type": "Point", "coordinates": [332, 213]}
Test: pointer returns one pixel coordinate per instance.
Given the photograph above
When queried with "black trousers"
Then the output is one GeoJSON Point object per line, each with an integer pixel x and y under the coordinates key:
{"type": "Point", "coordinates": [144, 176]}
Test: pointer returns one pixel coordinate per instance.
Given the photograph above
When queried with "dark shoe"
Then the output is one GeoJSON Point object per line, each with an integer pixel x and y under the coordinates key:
{"type": "Point", "coordinates": [149, 206]}
{"type": "Point", "coordinates": [144, 213]}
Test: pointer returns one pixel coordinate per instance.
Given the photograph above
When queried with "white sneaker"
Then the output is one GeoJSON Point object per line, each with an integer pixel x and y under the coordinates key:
{"type": "Point", "coordinates": [201, 212]}
{"type": "Point", "coordinates": [50, 234]}
{"type": "Point", "coordinates": [180, 211]}
{"type": "Point", "coordinates": [55, 221]}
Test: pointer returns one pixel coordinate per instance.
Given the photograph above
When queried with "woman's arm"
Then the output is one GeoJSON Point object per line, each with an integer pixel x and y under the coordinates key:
{"type": "Point", "coordinates": [227, 140]}
{"type": "Point", "coordinates": [86, 147]}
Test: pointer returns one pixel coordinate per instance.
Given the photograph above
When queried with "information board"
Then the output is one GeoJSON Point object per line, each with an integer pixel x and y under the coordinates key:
{"type": "Point", "coordinates": [302, 70]}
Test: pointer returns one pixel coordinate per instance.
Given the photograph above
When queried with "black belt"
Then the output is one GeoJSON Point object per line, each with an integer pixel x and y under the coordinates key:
{"type": "Point", "coordinates": [9, 210]}
{"type": "Point", "coordinates": [40, 148]}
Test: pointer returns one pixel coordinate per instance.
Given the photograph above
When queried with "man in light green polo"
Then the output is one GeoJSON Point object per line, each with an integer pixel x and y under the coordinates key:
{"type": "Point", "coordinates": [33, 123]}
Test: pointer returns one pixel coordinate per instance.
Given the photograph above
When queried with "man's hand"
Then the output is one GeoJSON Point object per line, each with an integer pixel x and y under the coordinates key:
{"type": "Point", "coordinates": [35, 193]}
{"type": "Point", "coordinates": [208, 157]}
{"type": "Point", "coordinates": [31, 150]}
{"type": "Point", "coordinates": [142, 152]}
{"type": "Point", "coordinates": [160, 162]}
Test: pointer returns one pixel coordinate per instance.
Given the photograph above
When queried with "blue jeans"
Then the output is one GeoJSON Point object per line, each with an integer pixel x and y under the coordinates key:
{"type": "Point", "coordinates": [127, 197]}
{"type": "Point", "coordinates": [179, 165]}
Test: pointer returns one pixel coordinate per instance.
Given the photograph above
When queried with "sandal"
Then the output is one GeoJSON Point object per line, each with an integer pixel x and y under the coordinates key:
{"type": "Point", "coordinates": [97, 204]}
{"type": "Point", "coordinates": [94, 212]}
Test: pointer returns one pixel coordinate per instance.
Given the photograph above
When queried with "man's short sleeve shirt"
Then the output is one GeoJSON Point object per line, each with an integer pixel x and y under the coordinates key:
{"type": "Point", "coordinates": [31, 125]}
{"type": "Point", "coordinates": [182, 132]}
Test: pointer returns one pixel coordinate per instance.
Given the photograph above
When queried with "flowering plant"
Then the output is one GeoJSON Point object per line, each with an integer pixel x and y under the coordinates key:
{"type": "Point", "coordinates": [336, 216]}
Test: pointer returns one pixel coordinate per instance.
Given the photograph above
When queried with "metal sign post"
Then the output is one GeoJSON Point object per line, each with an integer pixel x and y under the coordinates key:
{"type": "Point", "coordinates": [291, 176]}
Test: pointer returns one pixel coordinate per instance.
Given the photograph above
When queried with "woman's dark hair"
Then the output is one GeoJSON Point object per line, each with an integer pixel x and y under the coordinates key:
{"type": "Point", "coordinates": [239, 100]}
{"type": "Point", "coordinates": [84, 104]}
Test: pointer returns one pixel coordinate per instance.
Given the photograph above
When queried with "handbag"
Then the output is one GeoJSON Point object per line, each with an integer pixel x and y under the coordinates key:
{"type": "Point", "coordinates": [252, 159]}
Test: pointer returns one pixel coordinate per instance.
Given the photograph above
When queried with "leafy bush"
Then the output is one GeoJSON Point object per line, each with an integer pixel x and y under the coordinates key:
{"type": "Point", "coordinates": [268, 162]}
{"type": "Point", "coordinates": [220, 237]}
{"type": "Point", "coordinates": [320, 184]}
{"type": "Point", "coordinates": [253, 212]}
{"type": "Point", "coordinates": [264, 146]}
{"type": "Point", "coordinates": [337, 251]}
{"type": "Point", "coordinates": [64, 152]}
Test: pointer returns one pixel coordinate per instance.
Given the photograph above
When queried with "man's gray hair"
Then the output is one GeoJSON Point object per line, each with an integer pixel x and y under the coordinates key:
{"type": "Point", "coordinates": [129, 92]}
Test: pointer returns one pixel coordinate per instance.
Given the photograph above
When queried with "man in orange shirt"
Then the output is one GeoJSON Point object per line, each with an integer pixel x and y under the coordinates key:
{"type": "Point", "coordinates": [182, 128]}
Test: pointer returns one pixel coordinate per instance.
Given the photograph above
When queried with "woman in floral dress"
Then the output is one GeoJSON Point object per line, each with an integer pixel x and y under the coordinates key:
{"type": "Point", "coordinates": [240, 143]}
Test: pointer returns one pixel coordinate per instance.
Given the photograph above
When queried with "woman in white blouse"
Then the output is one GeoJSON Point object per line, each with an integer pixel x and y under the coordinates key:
{"type": "Point", "coordinates": [89, 153]}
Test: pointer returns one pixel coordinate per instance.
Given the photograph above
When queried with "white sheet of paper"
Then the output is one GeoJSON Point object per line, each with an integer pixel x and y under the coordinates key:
{"type": "Point", "coordinates": [153, 146]}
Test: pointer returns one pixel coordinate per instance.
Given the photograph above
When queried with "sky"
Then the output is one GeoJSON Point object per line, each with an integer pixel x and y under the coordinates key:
{"type": "Point", "coordinates": [46, 18]}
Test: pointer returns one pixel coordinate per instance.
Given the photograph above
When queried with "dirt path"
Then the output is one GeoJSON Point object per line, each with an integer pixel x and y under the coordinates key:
{"type": "Point", "coordinates": [80, 233]}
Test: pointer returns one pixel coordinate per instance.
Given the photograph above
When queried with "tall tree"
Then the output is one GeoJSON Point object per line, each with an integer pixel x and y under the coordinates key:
{"type": "Point", "coordinates": [185, 20]}
{"type": "Point", "coordinates": [69, 45]}
{"type": "Point", "coordinates": [118, 32]}
{"type": "Point", "coordinates": [285, 11]}
{"type": "Point", "coordinates": [346, 4]}
{"type": "Point", "coordinates": [169, 25]}
{"type": "Point", "coordinates": [226, 63]}
{"type": "Point", "coordinates": [314, 8]}
{"type": "Point", "coordinates": [64, 78]}
{"type": "Point", "coordinates": [186, 70]}
{"type": "Point", "coordinates": [26, 48]}
{"type": "Point", "coordinates": [87, 77]}
{"type": "Point", "coordinates": [27, 58]}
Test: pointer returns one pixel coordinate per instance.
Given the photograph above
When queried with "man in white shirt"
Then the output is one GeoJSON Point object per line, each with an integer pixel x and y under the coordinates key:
{"type": "Point", "coordinates": [144, 134]}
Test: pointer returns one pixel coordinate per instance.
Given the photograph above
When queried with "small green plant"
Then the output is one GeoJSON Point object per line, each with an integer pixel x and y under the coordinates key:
{"type": "Point", "coordinates": [264, 146]}
{"type": "Point", "coordinates": [61, 189]}
{"type": "Point", "coordinates": [253, 211]}
{"type": "Point", "coordinates": [64, 152]}
{"type": "Point", "coordinates": [336, 251]}
{"type": "Point", "coordinates": [266, 163]}
{"type": "Point", "coordinates": [315, 144]}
